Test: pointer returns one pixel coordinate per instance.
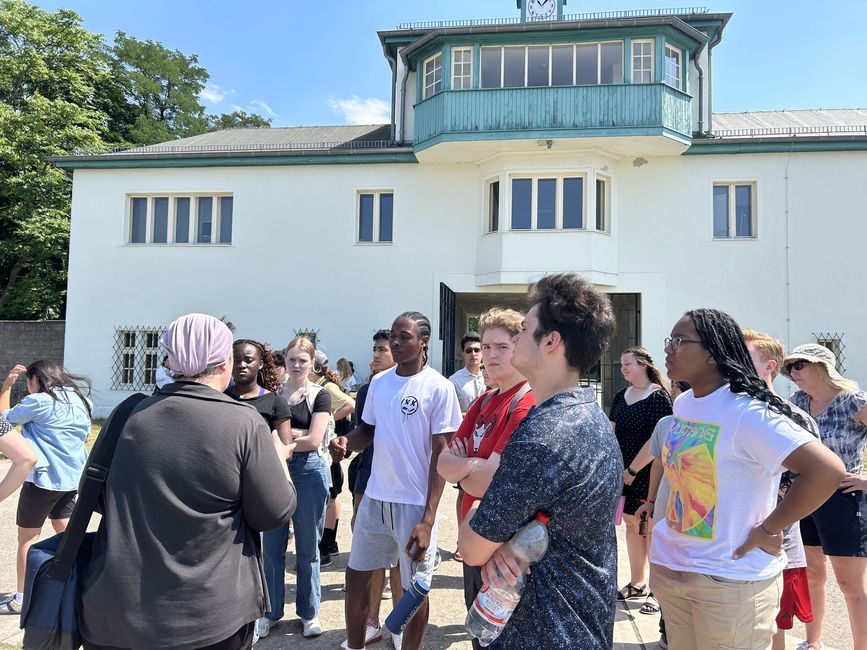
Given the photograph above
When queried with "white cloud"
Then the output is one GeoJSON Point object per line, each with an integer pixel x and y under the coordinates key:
{"type": "Point", "coordinates": [213, 94]}
{"type": "Point", "coordinates": [356, 110]}
{"type": "Point", "coordinates": [260, 106]}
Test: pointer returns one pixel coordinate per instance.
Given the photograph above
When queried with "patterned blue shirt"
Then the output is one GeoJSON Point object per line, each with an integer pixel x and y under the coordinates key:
{"type": "Point", "coordinates": [563, 460]}
{"type": "Point", "coordinates": [839, 429]}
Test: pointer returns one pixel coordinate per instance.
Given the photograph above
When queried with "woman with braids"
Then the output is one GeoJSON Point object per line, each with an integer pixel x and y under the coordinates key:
{"type": "Point", "coordinates": [838, 528]}
{"type": "Point", "coordinates": [55, 419]}
{"type": "Point", "coordinates": [255, 382]}
{"type": "Point", "coordinates": [635, 410]}
{"type": "Point", "coordinates": [716, 562]}
{"type": "Point", "coordinates": [310, 408]}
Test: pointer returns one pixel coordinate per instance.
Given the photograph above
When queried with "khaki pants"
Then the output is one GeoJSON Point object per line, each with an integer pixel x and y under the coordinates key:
{"type": "Point", "coordinates": [713, 613]}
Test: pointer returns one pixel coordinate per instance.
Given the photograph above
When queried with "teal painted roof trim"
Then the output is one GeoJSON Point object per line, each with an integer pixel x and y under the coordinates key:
{"type": "Point", "coordinates": [775, 146]}
{"type": "Point", "coordinates": [92, 162]}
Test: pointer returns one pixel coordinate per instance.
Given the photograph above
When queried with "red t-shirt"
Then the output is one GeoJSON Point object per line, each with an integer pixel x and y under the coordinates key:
{"type": "Point", "coordinates": [487, 431]}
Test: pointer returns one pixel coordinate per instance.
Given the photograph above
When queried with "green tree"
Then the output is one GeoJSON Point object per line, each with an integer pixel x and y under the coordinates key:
{"type": "Point", "coordinates": [50, 68]}
{"type": "Point", "coordinates": [237, 120]}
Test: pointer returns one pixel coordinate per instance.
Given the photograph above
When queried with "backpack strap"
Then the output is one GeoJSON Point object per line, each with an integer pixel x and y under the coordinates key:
{"type": "Point", "coordinates": [523, 390]}
{"type": "Point", "coordinates": [93, 480]}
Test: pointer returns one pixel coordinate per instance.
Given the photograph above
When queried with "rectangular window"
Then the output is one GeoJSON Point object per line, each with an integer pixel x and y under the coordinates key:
{"type": "Point", "coordinates": [491, 67]}
{"type": "Point", "coordinates": [586, 64]}
{"type": "Point", "coordinates": [611, 63]}
{"type": "Point", "coordinates": [672, 66]}
{"type": "Point", "coordinates": [137, 357]}
{"type": "Point", "coordinates": [494, 206]}
{"type": "Point", "coordinates": [204, 220]}
{"type": "Point", "coordinates": [462, 68]}
{"type": "Point", "coordinates": [734, 210]}
{"type": "Point", "coordinates": [522, 203]}
{"type": "Point", "coordinates": [514, 66]}
{"type": "Point", "coordinates": [545, 203]}
{"type": "Point", "coordinates": [168, 219]}
{"type": "Point", "coordinates": [601, 204]}
{"type": "Point", "coordinates": [160, 234]}
{"type": "Point", "coordinates": [573, 202]}
{"type": "Point", "coordinates": [642, 62]}
{"type": "Point", "coordinates": [138, 223]}
{"type": "Point", "coordinates": [433, 75]}
{"type": "Point", "coordinates": [562, 64]}
{"type": "Point", "coordinates": [375, 217]}
{"type": "Point", "coordinates": [538, 66]}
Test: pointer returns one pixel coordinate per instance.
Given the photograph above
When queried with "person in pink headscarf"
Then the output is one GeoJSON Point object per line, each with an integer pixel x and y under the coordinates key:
{"type": "Point", "coordinates": [195, 478]}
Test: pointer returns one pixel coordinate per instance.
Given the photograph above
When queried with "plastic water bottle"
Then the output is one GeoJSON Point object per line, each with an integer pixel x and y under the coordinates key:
{"type": "Point", "coordinates": [493, 606]}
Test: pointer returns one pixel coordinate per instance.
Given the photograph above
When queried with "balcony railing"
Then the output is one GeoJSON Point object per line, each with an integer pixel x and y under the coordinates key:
{"type": "Point", "coordinates": [509, 113]}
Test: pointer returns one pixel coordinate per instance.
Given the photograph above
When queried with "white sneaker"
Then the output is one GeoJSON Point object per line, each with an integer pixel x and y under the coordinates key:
{"type": "Point", "coordinates": [263, 627]}
{"type": "Point", "coordinates": [372, 633]}
{"type": "Point", "coordinates": [311, 628]}
{"type": "Point", "coordinates": [10, 606]}
{"type": "Point", "coordinates": [386, 590]}
{"type": "Point", "coordinates": [803, 645]}
{"type": "Point", "coordinates": [397, 640]}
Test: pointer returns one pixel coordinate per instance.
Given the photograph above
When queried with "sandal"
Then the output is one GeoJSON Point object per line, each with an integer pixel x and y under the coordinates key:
{"type": "Point", "coordinates": [632, 592]}
{"type": "Point", "coordinates": [650, 606]}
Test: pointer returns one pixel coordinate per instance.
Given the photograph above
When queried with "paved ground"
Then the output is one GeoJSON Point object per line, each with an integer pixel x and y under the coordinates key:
{"type": "Point", "coordinates": [632, 631]}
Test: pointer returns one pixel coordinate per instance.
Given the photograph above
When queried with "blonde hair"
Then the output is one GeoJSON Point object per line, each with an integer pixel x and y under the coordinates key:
{"type": "Point", "coordinates": [769, 347]}
{"type": "Point", "coordinates": [304, 344]}
{"type": "Point", "coordinates": [507, 319]}
{"type": "Point", "coordinates": [842, 384]}
{"type": "Point", "coordinates": [343, 368]}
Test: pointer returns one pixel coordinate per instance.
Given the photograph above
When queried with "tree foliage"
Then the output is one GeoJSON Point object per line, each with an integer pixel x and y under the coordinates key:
{"type": "Point", "coordinates": [63, 90]}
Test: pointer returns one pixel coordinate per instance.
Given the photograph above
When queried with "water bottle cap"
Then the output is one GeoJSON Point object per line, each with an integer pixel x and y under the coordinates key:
{"type": "Point", "coordinates": [423, 585]}
{"type": "Point", "coordinates": [543, 518]}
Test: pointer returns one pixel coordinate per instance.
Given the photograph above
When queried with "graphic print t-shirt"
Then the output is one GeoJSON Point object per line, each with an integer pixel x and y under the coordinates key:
{"type": "Point", "coordinates": [487, 430]}
{"type": "Point", "coordinates": [407, 412]}
{"type": "Point", "coordinates": [723, 459]}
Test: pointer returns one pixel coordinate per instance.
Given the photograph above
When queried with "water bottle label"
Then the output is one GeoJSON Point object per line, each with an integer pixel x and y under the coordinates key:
{"type": "Point", "coordinates": [494, 607]}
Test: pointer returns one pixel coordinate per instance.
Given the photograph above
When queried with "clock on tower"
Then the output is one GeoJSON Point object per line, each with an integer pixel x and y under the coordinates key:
{"type": "Point", "coordinates": [536, 10]}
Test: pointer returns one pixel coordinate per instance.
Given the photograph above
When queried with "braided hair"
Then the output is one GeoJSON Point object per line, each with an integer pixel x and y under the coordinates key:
{"type": "Point", "coordinates": [723, 338]}
{"type": "Point", "coordinates": [422, 325]}
{"type": "Point", "coordinates": [267, 375]}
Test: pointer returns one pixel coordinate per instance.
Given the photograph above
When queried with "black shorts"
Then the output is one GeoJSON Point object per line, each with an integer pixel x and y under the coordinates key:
{"type": "Point", "coordinates": [35, 504]}
{"type": "Point", "coordinates": [839, 526]}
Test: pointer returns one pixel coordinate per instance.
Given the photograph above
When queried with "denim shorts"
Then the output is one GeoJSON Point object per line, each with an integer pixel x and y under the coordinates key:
{"type": "Point", "coordinates": [839, 525]}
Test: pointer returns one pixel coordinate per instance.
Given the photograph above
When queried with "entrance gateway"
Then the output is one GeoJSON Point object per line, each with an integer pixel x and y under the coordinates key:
{"type": "Point", "coordinates": [459, 312]}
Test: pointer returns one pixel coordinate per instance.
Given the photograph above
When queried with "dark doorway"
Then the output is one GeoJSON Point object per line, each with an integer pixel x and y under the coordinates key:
{"type": "Point", "coordinates": [447, 328]}
{"type": "Point", "coordinates": [606, 377]}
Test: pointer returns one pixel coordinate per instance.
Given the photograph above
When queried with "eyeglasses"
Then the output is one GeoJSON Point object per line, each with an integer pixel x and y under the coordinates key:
{"type": "Point", "coordinates": [674, 342]}
{"type": "Point", "coordinates": [797, 365]}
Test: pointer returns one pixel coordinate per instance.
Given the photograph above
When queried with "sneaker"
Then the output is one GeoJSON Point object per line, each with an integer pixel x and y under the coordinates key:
{"type": "Point", "coordinates": [311, 628]}
{"type": "Point", "coordinates": [386, 590]}
{"type": "Point", "coordinates": [372, 633]}
{"type": "Point", "coordinates": [263, 627]}
{"type": "Point", "coordinates": [397, 640]}
{"type": "Point", "coordinates": [333, 549]}
{"type": "Point", "coordinates": [325, 560]}
{"type": "Point", "coordinates": [10, 606]}
{"type": "Point", "coordinates": [803, 645]}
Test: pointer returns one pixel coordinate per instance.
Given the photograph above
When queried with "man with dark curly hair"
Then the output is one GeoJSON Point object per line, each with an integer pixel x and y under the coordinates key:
{"type": "Point", "coordinates": [564, 461]}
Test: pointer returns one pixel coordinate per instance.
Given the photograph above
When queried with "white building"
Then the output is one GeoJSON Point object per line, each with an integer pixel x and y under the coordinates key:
{"type": "Point", "coordinates": [553, 143]}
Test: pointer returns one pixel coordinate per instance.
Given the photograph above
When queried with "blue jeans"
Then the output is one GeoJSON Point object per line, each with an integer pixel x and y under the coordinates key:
{"type": "Point", "coordinates": [311, 485]}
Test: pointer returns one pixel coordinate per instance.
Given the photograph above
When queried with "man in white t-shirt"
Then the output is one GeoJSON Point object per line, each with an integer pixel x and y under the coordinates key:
{"type": "Point", "coordinates": [412, 412]}
{"type": "Point", "coordinates": [468, 381]}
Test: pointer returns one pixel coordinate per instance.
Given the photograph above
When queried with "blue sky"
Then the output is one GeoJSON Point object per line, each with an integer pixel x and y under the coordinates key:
{"type": "Point", "coordinates": [312, 62]}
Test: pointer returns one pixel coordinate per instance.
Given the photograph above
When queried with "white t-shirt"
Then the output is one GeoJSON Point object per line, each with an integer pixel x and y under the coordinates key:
{"type": "Point", "coordinates": [660, 431]}
{"type": "Point", "coordinates": [407, 412]}
{"type": "Point", "coordinates": [723, 459]}
{"type": "Point", "coordinates": [468, 386]}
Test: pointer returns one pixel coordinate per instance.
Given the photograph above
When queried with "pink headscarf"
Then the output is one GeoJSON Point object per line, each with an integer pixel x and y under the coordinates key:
{"type": "Point", "coordinates": [196, 342]}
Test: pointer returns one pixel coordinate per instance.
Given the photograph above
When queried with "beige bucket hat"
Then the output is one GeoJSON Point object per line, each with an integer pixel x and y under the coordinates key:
{"type": "Point", "coordinates": [814, 353]}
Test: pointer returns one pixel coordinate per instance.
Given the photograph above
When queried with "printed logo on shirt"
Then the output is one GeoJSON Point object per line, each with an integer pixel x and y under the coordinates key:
{"type": "Point", "coordinates": [689, 459]}
{"type": "Point", "coordinates": [481, 430]}
{"type": "Point", "coordinates": [408, 405]}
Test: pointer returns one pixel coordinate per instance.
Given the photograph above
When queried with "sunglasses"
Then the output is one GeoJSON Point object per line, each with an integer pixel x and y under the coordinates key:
{"type": "Point", "coordinates": [797, 365]}
{"type": "Point", "coordinates": [471, 350]}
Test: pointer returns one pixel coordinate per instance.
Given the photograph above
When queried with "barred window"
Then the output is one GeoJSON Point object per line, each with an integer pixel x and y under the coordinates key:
{"type": "Point", "coordinates": [136, 358]}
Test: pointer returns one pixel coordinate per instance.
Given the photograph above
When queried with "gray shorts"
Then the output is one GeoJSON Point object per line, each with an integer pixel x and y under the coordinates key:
{"type": "Point", "coordinates": [382, 530]}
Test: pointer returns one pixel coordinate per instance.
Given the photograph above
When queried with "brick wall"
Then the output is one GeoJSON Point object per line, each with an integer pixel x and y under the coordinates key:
{"type": "Point", "coordinates": [27, 341]}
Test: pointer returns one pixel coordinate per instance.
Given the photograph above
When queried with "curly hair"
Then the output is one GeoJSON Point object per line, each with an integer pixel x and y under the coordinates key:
{"type": "Point", "coordinates": [579, 312]}
{"type": "Point", "coordinates": [723, 338]}
{"type": "Point", "coordinates": [507, 319]}
{"type": "Point", "coordinates": [267, 375]}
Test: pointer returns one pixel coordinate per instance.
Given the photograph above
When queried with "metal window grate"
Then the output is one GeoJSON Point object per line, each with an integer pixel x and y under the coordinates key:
{"type": "Point", "coordinates": [137, 356]}
{"type": "Point", "coordinates": [834, 342]}
{"type": "Point", "coordinates": [311, 334]}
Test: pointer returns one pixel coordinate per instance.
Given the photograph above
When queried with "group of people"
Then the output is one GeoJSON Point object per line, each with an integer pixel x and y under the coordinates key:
{"type": "Point", "coordinates": [241, 450]}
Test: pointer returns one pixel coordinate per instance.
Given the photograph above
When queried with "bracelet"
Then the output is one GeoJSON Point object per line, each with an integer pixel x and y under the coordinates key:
{"type": "Point", "coordinates": [767, 532]}
{"type": "Point", "coordinates": [648, 500]}
{"type": "Point", "coordinates": [631, 471]}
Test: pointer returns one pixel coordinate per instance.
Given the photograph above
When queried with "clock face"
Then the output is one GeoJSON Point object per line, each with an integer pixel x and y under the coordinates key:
{"type": "Point", "coordinates": [541, 9]}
